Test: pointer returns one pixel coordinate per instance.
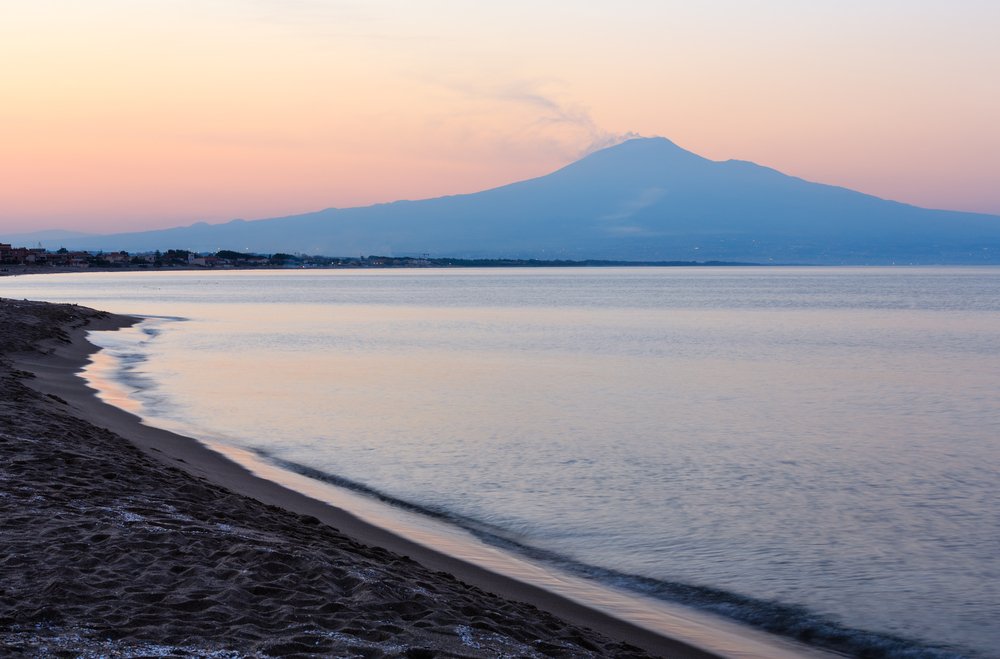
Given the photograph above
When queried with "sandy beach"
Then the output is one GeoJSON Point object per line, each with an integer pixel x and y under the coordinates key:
{"type": "Point", "coordinates": [154, 545]}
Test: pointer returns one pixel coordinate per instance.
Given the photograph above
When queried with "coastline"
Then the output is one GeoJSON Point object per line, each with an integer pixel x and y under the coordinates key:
{"type": "Point", "coordinates": [55, 377]}
{"type": "Point", "coordinates": [375, 263]}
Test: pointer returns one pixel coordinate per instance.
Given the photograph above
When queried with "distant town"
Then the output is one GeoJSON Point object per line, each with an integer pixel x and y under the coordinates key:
{"type": "Point", "coordinates": [63, 258]}
{"type": "Point", "coordinates": [27, 260]}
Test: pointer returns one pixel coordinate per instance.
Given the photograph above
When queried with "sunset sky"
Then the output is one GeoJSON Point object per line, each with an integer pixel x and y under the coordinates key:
{"type": "Point", "coordinates": [126, 115]}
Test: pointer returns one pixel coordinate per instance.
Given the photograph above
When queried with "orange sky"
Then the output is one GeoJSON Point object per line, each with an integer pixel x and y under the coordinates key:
{"type": "Point", "coordinates": [121, 115]}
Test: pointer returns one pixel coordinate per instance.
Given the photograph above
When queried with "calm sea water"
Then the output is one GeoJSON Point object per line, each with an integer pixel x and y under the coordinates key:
{"type": "Point", "coordinates": [795, 447]}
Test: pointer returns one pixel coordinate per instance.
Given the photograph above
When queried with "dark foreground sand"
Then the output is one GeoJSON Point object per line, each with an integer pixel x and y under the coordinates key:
{"type": "Point", "coordinates": [115, 547]}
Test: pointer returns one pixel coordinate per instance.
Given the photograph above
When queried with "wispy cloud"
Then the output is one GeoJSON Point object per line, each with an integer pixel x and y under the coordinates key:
{"type": "Point", "coordinates": [573, 123]}
{"type": "Point", "coordinates": [553, 111]}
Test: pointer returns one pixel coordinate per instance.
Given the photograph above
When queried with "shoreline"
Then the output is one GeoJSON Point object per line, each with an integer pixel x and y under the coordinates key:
{"type": "Point", "coordinates": [57, 376]}
{"type": "Point", "coordinates": [382, 263]}
{"type": "Point", "coordinates": [112, 552]}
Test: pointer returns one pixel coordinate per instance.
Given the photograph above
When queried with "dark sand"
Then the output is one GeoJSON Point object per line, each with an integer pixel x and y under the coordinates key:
{"type": "Point", "coordinates": [156, 546]}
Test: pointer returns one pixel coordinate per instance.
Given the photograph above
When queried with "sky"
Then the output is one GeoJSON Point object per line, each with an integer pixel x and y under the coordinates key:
{"type": "Point", "coordinates": [121, 115]}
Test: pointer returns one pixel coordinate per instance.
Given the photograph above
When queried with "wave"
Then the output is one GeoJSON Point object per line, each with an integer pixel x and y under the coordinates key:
{"type": "Point", "coordinates": [789, 620]}
{"type": "Point", "coordinates": [130, 353]}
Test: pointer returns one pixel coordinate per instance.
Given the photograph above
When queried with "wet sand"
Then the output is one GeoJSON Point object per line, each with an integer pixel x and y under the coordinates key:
{"type": "Point", "coordinates": [154, 545]}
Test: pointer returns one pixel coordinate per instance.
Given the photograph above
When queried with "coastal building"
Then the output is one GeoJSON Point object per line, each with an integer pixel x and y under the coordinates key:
{"type": "Point", "coordinates": [69, 259]}
{"type": "Point", "coordinates": [205, 261]}
{"type": "Point", "coordinates": [115, 257]}
{"type": "Point", "coordinates": [10, 255]}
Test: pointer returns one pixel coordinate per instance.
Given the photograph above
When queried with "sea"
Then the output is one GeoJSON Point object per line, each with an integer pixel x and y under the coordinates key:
{"type": "Point", "coordinates": [814, 451]}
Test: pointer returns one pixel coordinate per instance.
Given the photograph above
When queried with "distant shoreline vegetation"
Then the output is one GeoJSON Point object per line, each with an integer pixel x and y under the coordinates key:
{"type": "Point", "coordinates": [15, 260]}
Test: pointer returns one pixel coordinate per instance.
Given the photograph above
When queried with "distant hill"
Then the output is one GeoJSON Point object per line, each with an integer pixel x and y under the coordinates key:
{"type": "Point", "coordinates": [645, 199]}
{"type": "Point", "coordinates": [33, 238]}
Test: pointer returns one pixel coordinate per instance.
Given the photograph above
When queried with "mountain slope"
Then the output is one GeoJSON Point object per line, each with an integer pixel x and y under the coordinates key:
{"type": "Point", "coordinates": [645, 199]}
